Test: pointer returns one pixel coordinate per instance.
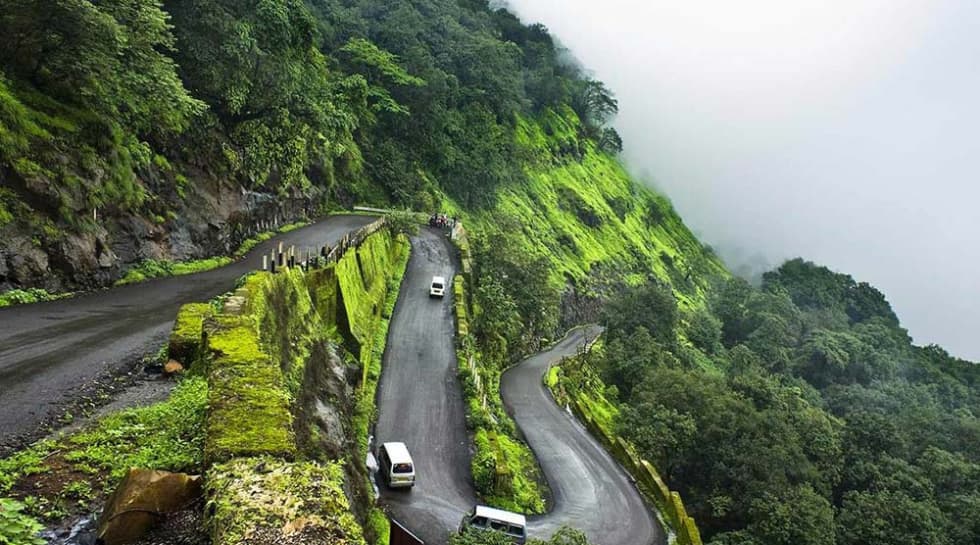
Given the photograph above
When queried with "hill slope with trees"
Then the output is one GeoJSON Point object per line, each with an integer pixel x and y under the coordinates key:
{"type": "Point", "coordinates": [798, 412]}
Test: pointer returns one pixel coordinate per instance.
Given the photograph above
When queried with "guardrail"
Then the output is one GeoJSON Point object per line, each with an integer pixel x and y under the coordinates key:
{"type": "Point", "coordinates": [287, 256]}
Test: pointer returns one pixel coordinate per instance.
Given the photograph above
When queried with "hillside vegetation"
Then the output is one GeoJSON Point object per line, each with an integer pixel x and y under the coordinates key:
{"type": "Point", "coordinates": [798, 412]}
{"type": "Point", "coordinates": [816, 422]}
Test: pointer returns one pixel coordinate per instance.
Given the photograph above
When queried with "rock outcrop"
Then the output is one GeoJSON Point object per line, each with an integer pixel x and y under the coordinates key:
{"type": "Point", "coordinates": [143, 497]}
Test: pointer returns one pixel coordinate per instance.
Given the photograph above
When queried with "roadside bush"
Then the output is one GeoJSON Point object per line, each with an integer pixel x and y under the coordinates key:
{"type": "Point", "coordinates": [22, 297]}
{"type": "Point", "coordinates": [17, 528]}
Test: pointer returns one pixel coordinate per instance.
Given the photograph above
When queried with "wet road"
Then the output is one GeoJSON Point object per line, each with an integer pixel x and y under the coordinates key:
{"type": "Point", "coordinates": [51, 351]}
{"type": "Point", "coordinates": [590, 491]}
{"type": "Point", "coordinates": [419, 398]}
{"type": "Point", "coordinates": [420, 403]}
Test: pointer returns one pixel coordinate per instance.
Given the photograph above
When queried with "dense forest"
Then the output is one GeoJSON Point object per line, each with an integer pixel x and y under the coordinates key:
{"type": "Point", "coordinates": [816, 422]}
{"type": "Point", "coordinates": [121, 120]}
{"type": "Point", "coordinates": [796, 413]}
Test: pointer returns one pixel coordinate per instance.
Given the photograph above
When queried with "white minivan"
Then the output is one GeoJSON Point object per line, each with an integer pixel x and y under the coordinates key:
{"type": "Point", "coordinates": [395, 465]}
{"type": "Point", "coordinates": [513, 525]}
{"type": "Point", "coordinates": [438, 287]}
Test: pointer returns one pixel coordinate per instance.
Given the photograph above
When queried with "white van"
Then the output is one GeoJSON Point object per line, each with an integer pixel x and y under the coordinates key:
{"type": "Point", "coordinates": [395, 465]}
{"type": "Point", "coordinates": [438, 287]}
{"type": "Point", "coordinates": [510, 524]}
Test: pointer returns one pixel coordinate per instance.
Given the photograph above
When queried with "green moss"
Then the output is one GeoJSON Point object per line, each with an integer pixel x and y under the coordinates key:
{"type": "Point", "coordinates": [248, 408]}
{"type": "Point", "coordinates": [271, 498]}
{"type": "Point", "coordinates": [551, 378]}
{"type": "Point", "coordinates": [186, 336]}
{"type": "Point", "coordinates": [152, 268]}
{"type": "Point", "coordinates": [501, 467]}
{"type": "Point", "coordinates": [361, 276]}
{"type": "Point", "coordinates": [379, 525]}
{"type": "Point", "coordinates": [573, 213]}
{"type": "Point", "coordinates": [288, 321]}
{"type": "Point", "coordinates": [365, 408]}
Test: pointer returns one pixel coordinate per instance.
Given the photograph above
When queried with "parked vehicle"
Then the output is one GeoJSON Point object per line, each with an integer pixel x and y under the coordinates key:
{"type": "Point", "coordinates": [438, 287]}
{"type": "Point", "coordinates": [513, 525]}
{"type": "Point", "coordinates": [395, 465]}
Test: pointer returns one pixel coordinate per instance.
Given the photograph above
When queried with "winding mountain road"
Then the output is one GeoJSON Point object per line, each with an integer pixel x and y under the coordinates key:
{"type": "Point", "coordinates": [420, 403]}
{"type": "Point", "coordinates": [590, 491]}
{"type": "Point", "coordinates": [419, 399]}
{"type": "Point", "coordinates": [51, 351]}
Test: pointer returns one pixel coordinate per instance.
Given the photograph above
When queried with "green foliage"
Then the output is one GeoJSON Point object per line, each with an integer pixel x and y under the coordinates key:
{"type": "Point", "coordinates": [814, 287]}
{"type": "Point", "coordinates": [403, 222]}
{"type": "Point", "coordinates": [813, 421]}
{"type": "Point", "coordinates": [16, 527]}
{"type": "Point", "coordinates": [564, 536]}
{"type": "Point", "coordinates": [378, 525]}
{"type": "Point", "coordinates": [153, 268]}
{"type": "Point", "coordinates": [118, 65]}
{"type": "Point", "coordinates": [29, 461]}
{"type": "Point", "coordinates": [379, 67]}
{"type": "Point", "coordinates": [30, 295]}
{"type": "Point", "coordinates": [168, 435]}
{"type": "Point", "coordinates": [890, 518]}
{"type": "Point", "coordinates": [473, 536]}
{"type": "Point", "coordinates": [259, 68]}
{"type": "Point", "coordinates": [503, 471]}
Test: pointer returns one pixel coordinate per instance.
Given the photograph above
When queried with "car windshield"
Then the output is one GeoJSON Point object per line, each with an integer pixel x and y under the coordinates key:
{"type": "Point", "coordinates": [402, 468]}
{"type": "Point", "coordinates": [437, 285]}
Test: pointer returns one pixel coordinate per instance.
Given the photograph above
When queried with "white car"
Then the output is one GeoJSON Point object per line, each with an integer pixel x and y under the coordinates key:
{"type": "Point", "coordinates": [438, 287]}
{"type": "Point", "coordinates": [395, 465]}
{"type": "Point", "coordinates": [512, 525]}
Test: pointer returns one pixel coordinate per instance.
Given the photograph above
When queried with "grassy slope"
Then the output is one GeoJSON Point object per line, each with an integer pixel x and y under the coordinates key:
{"type": "Point", "coordinates": [636, 226]}
{"type": "Point", "coordinates": [630, 230]}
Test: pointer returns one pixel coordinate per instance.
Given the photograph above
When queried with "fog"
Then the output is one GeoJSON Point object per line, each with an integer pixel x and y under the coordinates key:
{"type": "Point", "coordinates": [844, 132]}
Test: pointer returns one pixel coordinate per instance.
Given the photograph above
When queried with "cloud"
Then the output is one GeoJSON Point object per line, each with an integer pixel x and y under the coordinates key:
{"type": "Point", "coordinates": [843, 132]}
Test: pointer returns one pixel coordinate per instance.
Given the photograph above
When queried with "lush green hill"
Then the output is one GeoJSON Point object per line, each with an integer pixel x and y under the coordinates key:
{"type": "Point", "coordinates": [797, 412]}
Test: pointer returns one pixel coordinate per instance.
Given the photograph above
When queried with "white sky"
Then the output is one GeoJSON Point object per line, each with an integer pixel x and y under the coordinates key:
{"type": "Point", "coordinates": [840, 131]}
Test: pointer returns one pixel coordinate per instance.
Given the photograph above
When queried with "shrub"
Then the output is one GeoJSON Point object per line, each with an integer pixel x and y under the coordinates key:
{"type": "Point", "coordinates": [17, 528]}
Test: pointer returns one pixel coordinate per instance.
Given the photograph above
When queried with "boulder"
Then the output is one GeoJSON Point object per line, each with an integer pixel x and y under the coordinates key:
{"type": "Point", "coordinates": [26, 264]}
{"type": "Point", "coordinates": [172, 367]}
{"type": "Point", "coordinates": [142, 498]}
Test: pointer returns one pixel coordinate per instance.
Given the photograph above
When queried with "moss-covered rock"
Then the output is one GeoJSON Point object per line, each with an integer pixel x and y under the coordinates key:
{"type": "Point", "coordinates": [265, 500]}
{"type": "Point", "coordinates": [272, 368]}
{"type": "Point", "coordinates": [185, 338]}
{"type": "Point", "coordinates": [248, 408]}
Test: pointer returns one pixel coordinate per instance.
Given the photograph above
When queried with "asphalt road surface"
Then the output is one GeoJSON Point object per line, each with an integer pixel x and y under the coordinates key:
{"type": "Point", "coordinates": [49, 352]}
{"type": "Point", "coordinates": [420, 403]}
{"type": "Point", "coordinates": [419, 399]}
{"type": "Point", "coordinates": [590, 491]}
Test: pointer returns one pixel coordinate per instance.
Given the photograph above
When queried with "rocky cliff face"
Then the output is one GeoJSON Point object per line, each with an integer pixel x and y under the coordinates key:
{"type": "Point", "coordinates": [212, 218]}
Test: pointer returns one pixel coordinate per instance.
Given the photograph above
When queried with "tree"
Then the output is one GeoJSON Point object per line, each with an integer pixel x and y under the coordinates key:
{"type": "Point", "coordinates": [594, 103]}
{"type": "Point", "coordinates": [648, 305]}
{"type": "Point", "coordinates": [890, 518]}
{"type": "Point", "coordinates": [794, 516]}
